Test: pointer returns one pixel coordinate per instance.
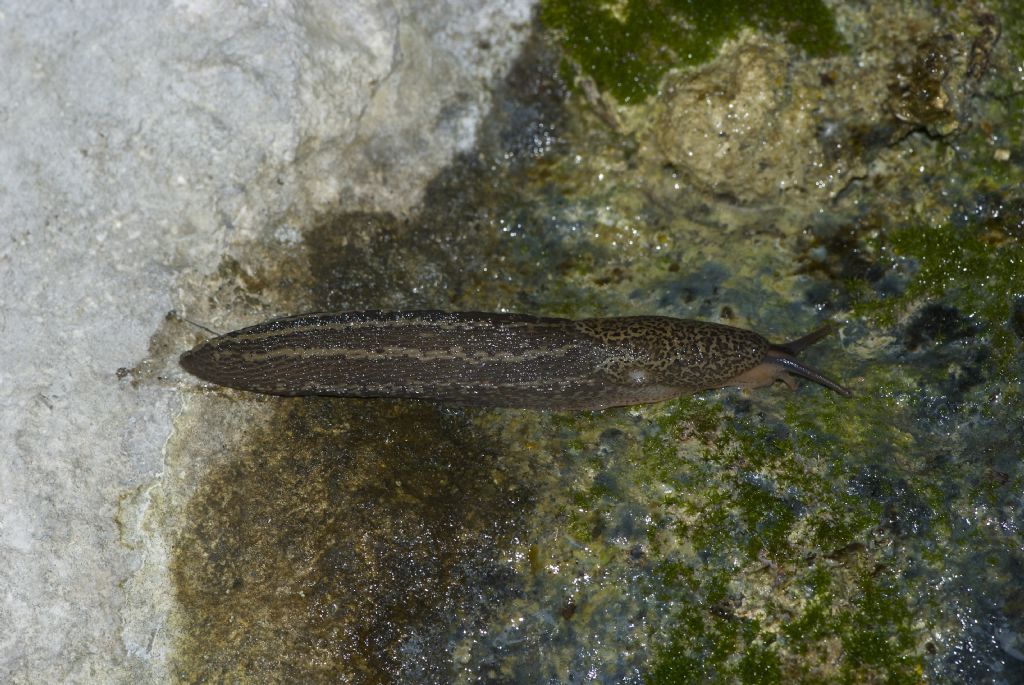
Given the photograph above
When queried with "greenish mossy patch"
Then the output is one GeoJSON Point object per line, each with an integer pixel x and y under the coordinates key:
{"type": "Point", "coordinates": [1011, 14]}
{"type": "Point", "coordinates": [627, 46]}
{"type": "Point", "coordinates": [740, 500]}
{"type": "Point", "coordinates": [977, 267]}
{"type": "Point", "coordinates": [711, 642]}
{"type": "Point", "coordinates": [877, 635]}
{"type": "Point", "coordinates": [702, 649]}
{"type": "Point", "coordinates": [767, 517]}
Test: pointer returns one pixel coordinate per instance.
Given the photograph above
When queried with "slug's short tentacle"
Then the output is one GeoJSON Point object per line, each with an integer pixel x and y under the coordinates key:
{"type": "Point", "coordinates": [795, 347]}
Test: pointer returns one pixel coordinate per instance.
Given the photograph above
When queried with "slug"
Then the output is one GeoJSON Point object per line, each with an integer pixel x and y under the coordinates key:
{"type": "Point", "coordinates": [497, 360]}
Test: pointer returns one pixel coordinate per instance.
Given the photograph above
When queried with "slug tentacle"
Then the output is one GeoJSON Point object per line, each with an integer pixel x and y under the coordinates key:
{"type": "Point", "coordinates": [787, 364]}
{"type": "Point", "coordinates": [784, 356]}
{"type": "Point", "coordinates": [780, 362]}
{"type": "Point", "coordinates": [495, 359]}
{"type": "Point", "coordinates": [795, 347]}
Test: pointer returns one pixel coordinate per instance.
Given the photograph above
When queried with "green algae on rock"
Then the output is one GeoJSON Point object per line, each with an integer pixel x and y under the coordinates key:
{"type": "Point", "coordinates": [626, 47]}
{"type": "Point", "coordinates": [977, 267]}
{"type": "Point", "coordinates": [769, 564]}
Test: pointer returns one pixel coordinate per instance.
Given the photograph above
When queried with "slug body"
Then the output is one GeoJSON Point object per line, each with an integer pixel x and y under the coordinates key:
{"type": "Point", "coordinates": [496, 360]}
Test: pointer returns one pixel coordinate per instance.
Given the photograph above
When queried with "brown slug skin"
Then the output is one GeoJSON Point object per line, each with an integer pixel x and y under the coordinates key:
{"type": "Point", "coordinates": [496, 360]}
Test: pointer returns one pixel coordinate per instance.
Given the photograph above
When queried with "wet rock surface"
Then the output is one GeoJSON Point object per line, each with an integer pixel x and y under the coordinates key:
{"type": "Point", "coordinates": [763, 537]}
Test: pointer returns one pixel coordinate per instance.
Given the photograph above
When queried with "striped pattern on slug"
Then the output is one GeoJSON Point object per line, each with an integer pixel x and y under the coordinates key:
{"type": "Point", "coordinates": [482, 359]}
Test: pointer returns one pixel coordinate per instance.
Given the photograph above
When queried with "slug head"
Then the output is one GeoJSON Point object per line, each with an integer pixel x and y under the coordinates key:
{"type": "Point", "coordinates": [780, 363]}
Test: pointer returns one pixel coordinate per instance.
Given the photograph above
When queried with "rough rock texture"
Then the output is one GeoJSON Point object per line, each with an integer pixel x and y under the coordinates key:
{"type": "Point", "coordinates": [139, 141]}
{"type": "Point", "coordinates": [729, 122]}
{"type": "Point", "coordinates": [759, 123]}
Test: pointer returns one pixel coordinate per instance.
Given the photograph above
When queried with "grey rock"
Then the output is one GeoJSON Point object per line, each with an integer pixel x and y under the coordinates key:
{"type": "Point", "coordinates": [138, 143]}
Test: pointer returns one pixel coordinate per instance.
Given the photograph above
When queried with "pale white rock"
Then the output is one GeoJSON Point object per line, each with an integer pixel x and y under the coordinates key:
{"type": "Point", "coordinates": [139, 142]}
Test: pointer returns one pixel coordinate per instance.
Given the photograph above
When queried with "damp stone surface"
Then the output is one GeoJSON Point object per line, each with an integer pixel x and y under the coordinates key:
{"type": "Point", "coordinates": [760, 537]}
{"type": "Point", "coordinates": [157, 529]}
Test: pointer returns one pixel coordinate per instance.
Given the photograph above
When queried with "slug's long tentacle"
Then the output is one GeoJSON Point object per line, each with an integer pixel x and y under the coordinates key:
{"type": "Point", "coordinates": [784, 357]}
{"type": "Point", "coordinates": [788, 363]}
